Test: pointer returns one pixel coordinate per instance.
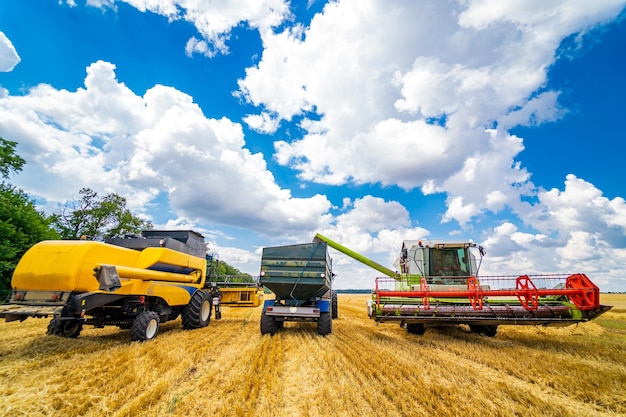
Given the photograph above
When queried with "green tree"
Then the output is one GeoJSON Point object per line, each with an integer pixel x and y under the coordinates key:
{"type": "Point", "coordinates": [97, 217]}
{"type": "Point", "coordinates": [220, 271]}
{"type": "Point", "coordinates": [9, 160]}
{"type": "Point", "coordinates": [21, 224]}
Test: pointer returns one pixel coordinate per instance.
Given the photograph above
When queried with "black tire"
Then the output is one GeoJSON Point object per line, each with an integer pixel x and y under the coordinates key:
{"type": "Point", "coordinates": [485, 330]}
{"type": "Point", "coordinates": [269, 325]}
{"type": "Point", "coordinates": [145, 326]}
{"type": "Point", "coordinates": [415, 328]}
{"type": "Point", "coordinates": [197, 314]}
{"type": "Point", "coordinates": [334, 304]}
{"type": "Point", "coordinates": [66, 328]}
{"type": "Point", "coordinates": [54, 327]}
{"type": "Point", "coordinates": [325, 324]}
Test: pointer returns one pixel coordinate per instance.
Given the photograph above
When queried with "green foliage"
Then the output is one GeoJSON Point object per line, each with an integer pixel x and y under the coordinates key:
{"type": "Point", "coordinates": [220, 271]}
{"type": "Point", "coordinates": [9, 161]}
{"type": "Point", "coordinates": [97, 217]}
{"type": "Point", "coordinates": [21, 226]}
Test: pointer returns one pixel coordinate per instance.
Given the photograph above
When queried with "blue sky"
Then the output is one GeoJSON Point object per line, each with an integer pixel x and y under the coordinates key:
{"type": "Point", "coordinates": [262, 122]}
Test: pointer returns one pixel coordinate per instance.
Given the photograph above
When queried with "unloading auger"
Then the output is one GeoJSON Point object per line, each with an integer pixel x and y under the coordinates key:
{"type": "Point", "coordinates": [437, 283]}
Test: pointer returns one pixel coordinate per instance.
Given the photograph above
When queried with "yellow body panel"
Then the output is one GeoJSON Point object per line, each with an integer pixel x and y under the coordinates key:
{"type": "Point", "coordinates": [153, 256]}
{"type": "Point", "coordinates": [174, 294]}
{"type": "Point", "coordinates": [69, 266]}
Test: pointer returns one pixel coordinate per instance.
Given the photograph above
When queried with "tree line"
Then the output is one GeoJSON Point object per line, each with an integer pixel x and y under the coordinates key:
{"type": "Point", "coordinates": [90, 216]}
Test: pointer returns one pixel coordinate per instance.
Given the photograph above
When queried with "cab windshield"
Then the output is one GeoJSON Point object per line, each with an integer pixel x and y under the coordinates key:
{"type": "Point", "coordinates": [449, 262]}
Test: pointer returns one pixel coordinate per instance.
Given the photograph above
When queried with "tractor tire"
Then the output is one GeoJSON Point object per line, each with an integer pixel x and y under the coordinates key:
{"type": "Point", "coordinates": [197, 314]}
{"type": "Point", "coordinates": [484, 330]}
{"type": "Point", "coordinates": [145, 326]}
{"type": "Point", "coordinates": [415, 328]}
{"type": "Point", "coordinates": [334, 304]}
{"type": "Point", "coordinates": [269, 325]}
{"type": "Point", "coordinates": [325, 324]}
{"type": "Point", "coordinates": [65, 328]}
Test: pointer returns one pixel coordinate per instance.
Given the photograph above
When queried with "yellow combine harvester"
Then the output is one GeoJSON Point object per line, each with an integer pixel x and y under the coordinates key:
{"type": "Point", "coordinates": [135, 283]}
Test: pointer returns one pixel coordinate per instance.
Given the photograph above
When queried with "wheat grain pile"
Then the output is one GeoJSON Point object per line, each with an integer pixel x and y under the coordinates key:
{"type": "Point", "coordinates": [229, 369]}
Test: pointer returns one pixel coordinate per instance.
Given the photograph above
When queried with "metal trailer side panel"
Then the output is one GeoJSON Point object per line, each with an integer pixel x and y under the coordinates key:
{"type": "Point", "coordinates": [297, 272]}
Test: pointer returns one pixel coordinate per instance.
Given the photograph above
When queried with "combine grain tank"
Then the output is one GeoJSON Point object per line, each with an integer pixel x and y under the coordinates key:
{"type": "Point", "coordinates": [300, 276]}
{"type": "Point", "coordinates": [135, 283]}
{"type": "Point", "coordinates": [438, 283]}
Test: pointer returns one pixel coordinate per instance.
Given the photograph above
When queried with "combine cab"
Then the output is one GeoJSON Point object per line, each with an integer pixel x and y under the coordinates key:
{"type": "Point", "coordinates": [438, 283]}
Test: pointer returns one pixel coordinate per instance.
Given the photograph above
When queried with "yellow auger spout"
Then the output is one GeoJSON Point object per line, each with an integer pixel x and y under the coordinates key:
{"type": "Point", "coordinates": [151, 275]}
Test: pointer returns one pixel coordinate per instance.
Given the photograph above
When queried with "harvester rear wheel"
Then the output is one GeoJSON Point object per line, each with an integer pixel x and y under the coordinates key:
{"type": "Point", "coordinates": [324, 324]}
{"type": "Point", "coordinates": [145, 326]}
{"type": "Point", "coordinates": [334, 304]}
{"type": "Point", "coordinates": [485, 330]}
{"type": "Point", "coordinates": [269, 325]}
{"type": "Point", "coordinates": [415, 328]}
{"type": "Point", "coordinates": [197, 314]}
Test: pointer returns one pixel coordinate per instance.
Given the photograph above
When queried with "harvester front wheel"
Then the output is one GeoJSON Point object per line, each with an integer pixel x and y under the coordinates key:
{"type": "Point", "coordinates": [197, 314]}
{"type": "Point", "coordinates": [415, 328]}
{"type": "Point", "coordinates": [325, 324]}
{"type": "Point", "coordinates": [269, 325]}
{"type": "Point", "coordinates": [145, 326]}
{"type": "Point", "coordinates": [65, 328]}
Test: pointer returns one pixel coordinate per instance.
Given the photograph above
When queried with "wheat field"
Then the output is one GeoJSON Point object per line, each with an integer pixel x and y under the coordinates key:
{"type": "Point", "coordinates": [361, 369]}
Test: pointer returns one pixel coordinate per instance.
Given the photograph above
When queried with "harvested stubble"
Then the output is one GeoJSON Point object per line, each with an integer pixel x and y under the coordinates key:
{"type": "Point", "coordinates": [229, 369]}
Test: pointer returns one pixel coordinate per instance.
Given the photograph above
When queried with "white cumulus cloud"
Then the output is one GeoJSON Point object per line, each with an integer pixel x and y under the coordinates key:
{"type": "Point", "coordinates": [106, 137]}
{"type": "Point", "coordinates": [8, 55]}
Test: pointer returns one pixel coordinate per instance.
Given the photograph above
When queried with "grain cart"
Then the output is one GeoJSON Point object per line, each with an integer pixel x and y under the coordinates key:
{"type": "Point", "coordinates": [437, 283]}
{"type": "Point", "coordinates": [300, 276]}
{"type": "Point", "coordinates": [135, 282]}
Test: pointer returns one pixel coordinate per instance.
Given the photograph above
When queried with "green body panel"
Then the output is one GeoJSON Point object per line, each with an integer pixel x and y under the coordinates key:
{"type": "Point", "coordinates": [297, 272]}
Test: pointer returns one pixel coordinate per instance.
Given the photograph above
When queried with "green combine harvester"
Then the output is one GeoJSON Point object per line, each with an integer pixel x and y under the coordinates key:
{"type": "Point", "coordinates": [437, 283]}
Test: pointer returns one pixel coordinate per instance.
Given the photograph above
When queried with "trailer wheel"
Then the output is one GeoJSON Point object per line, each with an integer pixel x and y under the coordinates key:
{"type": "Point", "coordinates": [334, 304]}
{"type": "Point", "coordinates": [268, 324]}
{"type": "Point", "coordinates": [324, 324]}
{"type": "Point", "coordinates": [197, 314]}
{"type": "Point", "coordinates": [415, 328]}
{"type": "Point", "coordinates": [485, 330]}
{"type": "Point", "coordinates": [145, 326]}
{"type": "Point", "coordinates": [65, 328]}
